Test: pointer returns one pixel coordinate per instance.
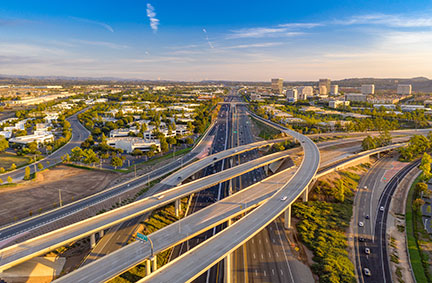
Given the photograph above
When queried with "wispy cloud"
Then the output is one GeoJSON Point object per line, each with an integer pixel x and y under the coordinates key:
{"type": "Point", "coordinates": [301, 25]}
{"type": "Point", "coordinates": [104, 25]}
{"type": "Point", "coordinates": [388, 20]}
{"type": "Point", "coordinates": [262, 32]}
{"type": "Point", "coordinates": [207, 38]}
{"type": "Point", "coordinates": [254, 45]}
{"type": "Point", "coordinates": [154, 22]}
{"type": "Point", "coordinates": [101, 43]}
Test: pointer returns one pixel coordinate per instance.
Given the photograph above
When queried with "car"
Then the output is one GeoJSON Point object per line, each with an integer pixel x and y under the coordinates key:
{"type": "Point", "coordinates": [382, 208]}
{"type": "Point", "coordinates": [365, 187]}
{"type": "Point", "coordinates": [179, 178]}
{"type": "Point", "coordinates": [284, 198]}
{"type": "Point", "coordinates": [367, 216]}
{"type": "Point", "coordinates": [254, 179]}
{"type": "Point", "coordinates": [361, 239]}
{"type": "Point", "coordinates": [366, 271]}
{"type": "Point", "coordinates": [214, 158]}
{"type": "Point", "coordinates": [367, 251]}
{"type": "Point", "coordinates": [160, 197]}
{"type": "Point", "coordinates": [361, 224]}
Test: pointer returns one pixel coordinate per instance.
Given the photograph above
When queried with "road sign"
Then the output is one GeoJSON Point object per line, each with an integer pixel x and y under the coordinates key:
{"type": "Point", "coordinates": [142, 237]}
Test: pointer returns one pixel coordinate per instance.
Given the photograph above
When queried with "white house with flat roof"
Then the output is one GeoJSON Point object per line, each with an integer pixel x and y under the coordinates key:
{"type": "Point", "coordinates": [39, 137]}
{"type": "Point", "coordinates": [128, 144]}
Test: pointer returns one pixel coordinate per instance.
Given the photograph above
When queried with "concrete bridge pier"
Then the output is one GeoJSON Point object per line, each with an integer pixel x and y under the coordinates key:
{"type": "Point", "coordinates": [177, 207]}
{"type": "Point", "coordinates": [305, 194]}
{"type": "Point", "coordinates": [227, 262]}
{"type": "Point", "coordinates": [154, 263]}
{"type": "Point", "coordinates": [101, 233]}
{"type": "Point", "coordinates": [147, 267]}
{"type": "Point", "coordinates": [287, 220]}
{"type": "Point", "coordinates": [93, 240]}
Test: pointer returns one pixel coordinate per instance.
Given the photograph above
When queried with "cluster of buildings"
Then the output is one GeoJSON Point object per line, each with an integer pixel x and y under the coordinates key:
{"type": "Point", "coordinates": [42, 132]}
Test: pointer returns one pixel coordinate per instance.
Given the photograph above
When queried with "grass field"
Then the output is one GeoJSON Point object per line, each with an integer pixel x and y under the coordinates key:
{"type": "Point", "coordinates": [265, 132]}
{"type": "Point", "coordinates": [7, 159]}
{"type": "Point", "coordinates": [413, 247]}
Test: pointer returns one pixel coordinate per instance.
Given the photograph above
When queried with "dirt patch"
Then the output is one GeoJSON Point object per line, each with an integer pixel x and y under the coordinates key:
{"type": "Point", "coordinates": [42, 194]}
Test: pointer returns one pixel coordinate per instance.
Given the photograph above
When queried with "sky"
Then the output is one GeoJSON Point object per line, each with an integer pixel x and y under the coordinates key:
{"type": "Point", "coordinates": [217, 40]}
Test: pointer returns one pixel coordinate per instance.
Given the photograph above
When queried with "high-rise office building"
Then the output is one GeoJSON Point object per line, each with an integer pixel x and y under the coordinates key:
{"type": "Point", "coordinates": [304, 92]}
{"type": "Point", "coordinates": [326, 83]}
{"type": "Point", "coordinates": [404, 89]}
{"type": "Point", "coordinates": [334, 89]}
{"type": "Point", "coordinates": [277, 85]}
{"type": "Point", "coordinates": [368, 89]}
{"type": "Point", "coordinates": [292, 95]}
{"type": "Point", "coordinates": [323, 90]}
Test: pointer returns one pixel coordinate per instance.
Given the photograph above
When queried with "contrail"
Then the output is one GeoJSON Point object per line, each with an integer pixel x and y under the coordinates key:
{"type": "Point", "coordinates": [207, 38]}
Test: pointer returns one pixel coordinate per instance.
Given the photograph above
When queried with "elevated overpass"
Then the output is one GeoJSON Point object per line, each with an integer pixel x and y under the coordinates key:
{"type": "Point", "coordinates": [39, 245]}
{"type": "Point", "coordinates": [118, 262]}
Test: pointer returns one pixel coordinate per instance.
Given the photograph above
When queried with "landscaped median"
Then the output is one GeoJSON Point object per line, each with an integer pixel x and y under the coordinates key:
{"type": "Point", "coordinates": [416, 236]}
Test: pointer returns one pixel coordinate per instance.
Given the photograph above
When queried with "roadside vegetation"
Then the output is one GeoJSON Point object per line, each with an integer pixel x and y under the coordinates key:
{"type": "Point", "coordinates": [419, 240]}
{"type": "Point", "coordinates": [417, 145]}
{"type": "Point", "coordinates": [264, 131]}
{"type": "Point", "coordinates": [323, 222]}
{"type": "Point", "coordinates": [383, 139]}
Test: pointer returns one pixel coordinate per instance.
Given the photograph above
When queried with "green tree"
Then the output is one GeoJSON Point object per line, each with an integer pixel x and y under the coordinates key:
{"type": "Point", "coordinates": [9, 179]}
{"type": "Point", "coordinates": [189, 141]}
{"type": "Point", "coordinates": [116, 162]}
{"type": "Point", "coordinates": [27, 173]}
{"type": "Point", "coordinates": [425, 166]}
{"type": "Point", "coordinates": [1, 181]}
{"type": "Point", "coordinates": [4, 144]}
{"type": "Point", "coordinates": [417, 204]}
{"type": "Point", "coordinates": [368, 143]}
{"type": "Point", "coordinates": [13, 166]}
{"type": "Point", "coordinates": [2, 170]}
{"type": "Point", "coordinates": [40, 166]}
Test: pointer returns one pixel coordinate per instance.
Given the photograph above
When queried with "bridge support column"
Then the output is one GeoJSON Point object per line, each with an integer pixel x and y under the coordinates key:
{"type": "Point", "coordinates": [378, 155]}
{"type": "Point", "coordinates": [266, 169]}
{"type": "Point", "coordinates": [92, 240]}
{"type": "Point", "coordinates": [148, 267]}
{"type": "Point", "coordinates": [287, 220]}
{"type": "Point", "coordinates": [227, 267]}
{"type": "Point", "coordinates": [177, 207]}
{"type": "Point", "coordinates": [154, 263]}
{"type": "Point", "coordinates": [305, 194]}
{"type": "Point", "coordinates": [101, 233]}
{"type": "Point", "coordinates": [230, 189]}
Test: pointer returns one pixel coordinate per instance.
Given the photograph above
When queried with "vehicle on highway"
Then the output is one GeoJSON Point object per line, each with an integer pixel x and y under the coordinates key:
{"type": "Point", "coordinates": [160, 197]}
{"type": "Point", "coordinates": [284, 198]}
{"type": "Point", "coordinates": [361, 239]}
{"type": "Point", "coordinates": [179, 178]}
{"type": "Point", "coordinates": [367, 216]}
{"type": "Point", "coordinates": [254, 179]}
{"type": "Point", "coordinates": [365, 187]}
{"type": "Point", "coordinates": [382, 208]}
{"type": "Point", "coordinates": [214, 158]}
{"type": "Point", "coordinates": [361, 224]}
{"type": "Point", "coordinates": [367, 251]}
{"type": "Point", "coordinates": [366, 271]}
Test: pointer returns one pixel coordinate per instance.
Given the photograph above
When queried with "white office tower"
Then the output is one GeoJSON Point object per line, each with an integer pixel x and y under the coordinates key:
{"type": "Point", "coordinates": [404, 89]}
{"type": "Point", "coordinates": [334, 89]}
{"type": "Point", "coordinates": [368, 89]}
{"type": "Point", "coordinates": [292, 95]}
{"type": "Point", "coordinates": [304, 92]}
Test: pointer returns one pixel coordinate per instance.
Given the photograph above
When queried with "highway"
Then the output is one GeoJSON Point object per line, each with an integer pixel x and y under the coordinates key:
{"type": "Point", "coordinates": [56, 214]}
{"type": "Point", "coordinates": [41, 244]}
{"type": "Point", "coordinates": [373, 236]}
{"type": "Point", "coordinates": [69, 209]}
{"type": "Point", "coordinates": [189, 266]}
{"type": "Point", "coordinates": [79, 134]}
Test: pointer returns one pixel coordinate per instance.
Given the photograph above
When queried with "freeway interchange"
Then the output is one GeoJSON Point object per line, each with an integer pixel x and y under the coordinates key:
{"type": "Point", "coordinates": [267, 206]}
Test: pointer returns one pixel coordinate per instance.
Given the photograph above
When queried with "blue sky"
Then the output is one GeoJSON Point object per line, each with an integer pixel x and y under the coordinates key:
{"type": "Point", "coordinates": [230, 40]}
